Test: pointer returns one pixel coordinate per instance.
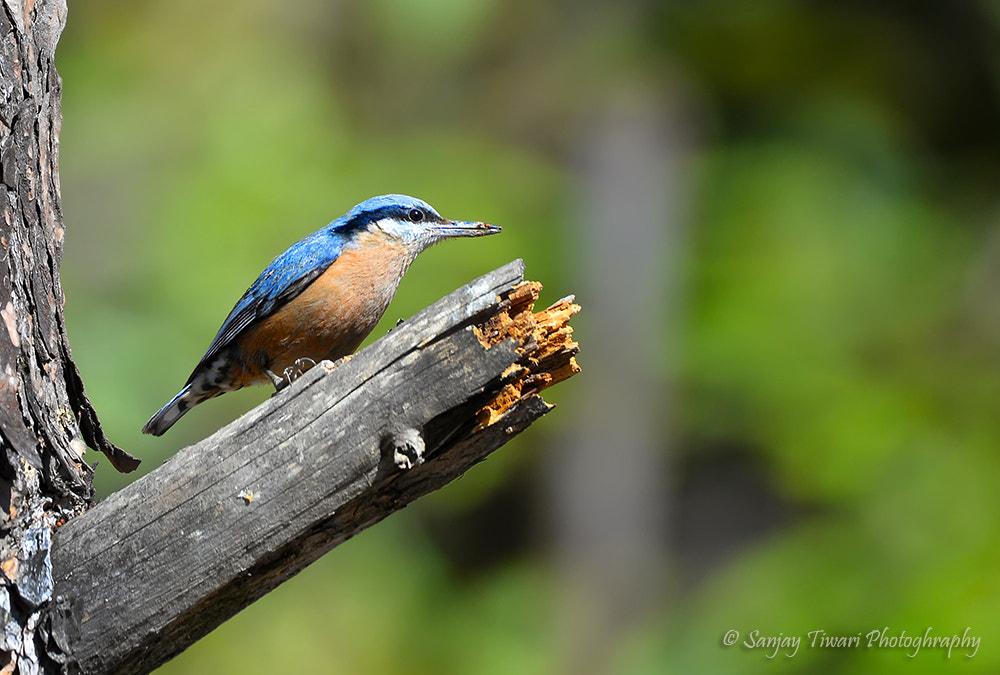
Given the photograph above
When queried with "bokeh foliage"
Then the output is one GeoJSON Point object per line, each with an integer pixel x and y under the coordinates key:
{"type": "Point", "coordinates": [841, 332]}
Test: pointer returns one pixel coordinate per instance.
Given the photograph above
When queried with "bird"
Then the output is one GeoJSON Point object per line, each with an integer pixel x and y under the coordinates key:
{"type": "Point", "coordinates": [318, 300]}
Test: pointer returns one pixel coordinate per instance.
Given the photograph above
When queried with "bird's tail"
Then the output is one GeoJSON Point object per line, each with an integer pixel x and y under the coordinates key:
{"type": "Point", "coordinates": [187, 398]}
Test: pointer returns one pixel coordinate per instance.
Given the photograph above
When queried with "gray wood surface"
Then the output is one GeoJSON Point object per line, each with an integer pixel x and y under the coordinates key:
{"type": "Point", "coordinates": [157, 565]}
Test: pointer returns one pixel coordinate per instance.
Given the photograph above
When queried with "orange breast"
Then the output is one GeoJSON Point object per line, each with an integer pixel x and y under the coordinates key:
{"type": "Point", "coordinates": [332, 316]}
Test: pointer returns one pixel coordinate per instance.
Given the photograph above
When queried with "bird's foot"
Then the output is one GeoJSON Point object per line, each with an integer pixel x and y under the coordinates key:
{"type": "Point", "coordinates": [290, 374]}
{"type": "Point", "coordinates": [295, 371]}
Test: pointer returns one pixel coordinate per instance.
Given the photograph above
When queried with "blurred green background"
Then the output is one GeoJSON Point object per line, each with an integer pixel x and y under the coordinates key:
{"type": "Point", "coordinates": [781, 219]}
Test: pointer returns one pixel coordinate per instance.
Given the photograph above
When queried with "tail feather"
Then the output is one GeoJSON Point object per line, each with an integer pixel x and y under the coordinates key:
{"type": "Point", "coordinates": [187, 398]}
{"type": "Point", "coordinates": [207, 381]}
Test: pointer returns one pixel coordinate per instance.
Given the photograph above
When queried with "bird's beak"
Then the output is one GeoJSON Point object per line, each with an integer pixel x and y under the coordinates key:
{"type": "Point", "coordinates": [465, 228]}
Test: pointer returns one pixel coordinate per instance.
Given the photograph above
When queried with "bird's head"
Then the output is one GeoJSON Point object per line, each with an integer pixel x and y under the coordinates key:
{"type": "Point", "coordinates": [408, 220]}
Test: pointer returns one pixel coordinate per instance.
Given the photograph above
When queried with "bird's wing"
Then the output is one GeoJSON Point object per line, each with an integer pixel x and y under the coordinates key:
{"type": "Point", "coordinates": [287, 276]}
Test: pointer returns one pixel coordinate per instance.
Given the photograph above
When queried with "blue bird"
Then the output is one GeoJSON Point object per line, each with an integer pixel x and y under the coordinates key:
{"type": "Point", "coordinates": [318, 300]}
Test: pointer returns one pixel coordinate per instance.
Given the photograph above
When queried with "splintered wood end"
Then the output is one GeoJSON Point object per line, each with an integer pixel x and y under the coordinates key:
{"type": "Point", "coordinates": [545, 342]}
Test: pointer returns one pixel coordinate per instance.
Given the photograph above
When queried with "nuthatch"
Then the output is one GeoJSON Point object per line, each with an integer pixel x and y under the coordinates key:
{"type": "Point", "coordinates": [318, 300]}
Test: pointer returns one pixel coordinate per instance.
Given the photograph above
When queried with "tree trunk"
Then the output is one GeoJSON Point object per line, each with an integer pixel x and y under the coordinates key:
{"type": "Point", "coordinates": [46, 420]}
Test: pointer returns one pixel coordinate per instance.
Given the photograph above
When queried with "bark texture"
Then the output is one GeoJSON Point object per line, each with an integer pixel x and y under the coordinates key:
{"type": "Point", "coordinates": [46, 421]}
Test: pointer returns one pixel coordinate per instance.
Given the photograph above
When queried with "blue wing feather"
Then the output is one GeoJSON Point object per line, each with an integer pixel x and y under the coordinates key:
{"type": "Point", "coordinates": [287, 276]}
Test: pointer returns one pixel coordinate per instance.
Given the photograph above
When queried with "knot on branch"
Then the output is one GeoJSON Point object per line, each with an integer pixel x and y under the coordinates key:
{"type": "Point", "coordinates": [406, 448]}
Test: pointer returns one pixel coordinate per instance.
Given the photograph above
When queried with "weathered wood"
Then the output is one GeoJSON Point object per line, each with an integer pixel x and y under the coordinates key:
{"type": "Point", "coordinates": [44, 412]}
{"type": "Point", "coordinates": [157, 565]}
{"type": "Point", "coordinates": [46, 421]}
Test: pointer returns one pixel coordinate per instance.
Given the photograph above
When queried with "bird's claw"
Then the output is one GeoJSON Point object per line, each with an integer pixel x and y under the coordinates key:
{"type": "Point", "coordinates": [295, 371]}
{"type": "Point", "coordinates": [291, 373]}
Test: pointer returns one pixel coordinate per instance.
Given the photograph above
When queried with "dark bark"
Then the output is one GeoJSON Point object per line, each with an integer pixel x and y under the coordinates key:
{"type": "Point", "coordinates": [46, 420]}
{"type": "Point", "coordinates": [155, 566]}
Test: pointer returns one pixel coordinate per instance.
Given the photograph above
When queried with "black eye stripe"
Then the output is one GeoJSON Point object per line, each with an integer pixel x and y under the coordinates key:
{"type": "Point", "coordinates": [401, 213]}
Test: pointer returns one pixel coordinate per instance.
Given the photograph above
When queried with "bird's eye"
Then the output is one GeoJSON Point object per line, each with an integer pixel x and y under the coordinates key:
{"type": "Point", "coordinates": [415, 215]}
